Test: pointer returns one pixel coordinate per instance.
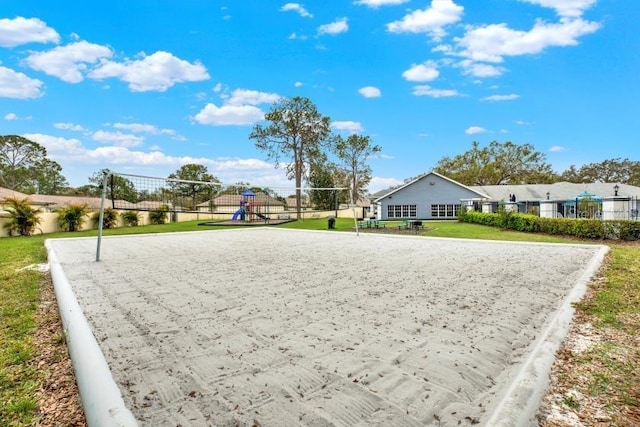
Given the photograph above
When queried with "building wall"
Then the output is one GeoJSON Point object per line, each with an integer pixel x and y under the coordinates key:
{"type": "Point", "coordinates": [429, 190]}
{"type": "Point", "coordinates": [49, 221]}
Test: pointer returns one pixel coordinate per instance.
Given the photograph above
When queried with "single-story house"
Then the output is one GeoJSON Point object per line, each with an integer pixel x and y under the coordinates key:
{"type": "Point", "coordinates": [434, 196]}
{"type": "Point", "coordinates": [50, 203]}
{"type": "Point", "coordinates": [291, 202]}
{"type": "Point", "coordinates": [566, 199]}
{"type": "Point", "coordinates": [430, 196]}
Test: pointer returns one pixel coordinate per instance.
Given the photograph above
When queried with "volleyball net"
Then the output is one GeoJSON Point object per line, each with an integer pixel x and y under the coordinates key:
{"type": "Point", "coordinates": [144, 193]}
{"type": "Point", "coordinates": [167, 198]}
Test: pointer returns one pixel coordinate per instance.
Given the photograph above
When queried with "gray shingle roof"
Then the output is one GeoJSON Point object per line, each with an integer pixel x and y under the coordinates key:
{"type": "Point", "coordinates": [557, 191]}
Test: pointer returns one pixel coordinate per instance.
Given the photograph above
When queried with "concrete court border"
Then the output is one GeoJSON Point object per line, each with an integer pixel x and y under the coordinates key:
{"type": "Point", "coordinates": [104, 405]}
{"type": "Point", "coordinates": [101, 398]}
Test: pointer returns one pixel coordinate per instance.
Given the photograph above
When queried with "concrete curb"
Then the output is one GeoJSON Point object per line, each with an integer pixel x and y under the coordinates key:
{"type": "Point", "coordinates": [101, 398]}
{"type": "Point", "coordinates": [519, 405]}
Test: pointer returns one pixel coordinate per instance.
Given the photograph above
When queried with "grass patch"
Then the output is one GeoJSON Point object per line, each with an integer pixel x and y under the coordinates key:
{"type": "Point", "coordinates": [617, 302]}
{"type": "Point", "coordinates": [615, 305]}
{"type": "Point", "coordinates": [19, 297]}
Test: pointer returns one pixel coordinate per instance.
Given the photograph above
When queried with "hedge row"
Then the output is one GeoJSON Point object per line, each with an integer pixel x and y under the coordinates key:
{"type": "Point", "coordinates": [582, 228]}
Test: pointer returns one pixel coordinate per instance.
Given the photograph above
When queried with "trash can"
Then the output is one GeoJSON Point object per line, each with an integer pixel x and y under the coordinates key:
{"type": "Point", "coordinates": [331, 222]}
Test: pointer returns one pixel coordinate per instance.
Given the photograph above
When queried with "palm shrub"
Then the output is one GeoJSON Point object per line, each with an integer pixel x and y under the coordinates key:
{"type": "Point", "coordinates": [109, 218]}
{"type": "Point", "coordinates": [24, 218]}
{"type": "Point", "coordinates": [72, 217]}
{"type": "Point", "coordinates": [130, 218]}
{"type": "Point", "coordinates": [159, 216]}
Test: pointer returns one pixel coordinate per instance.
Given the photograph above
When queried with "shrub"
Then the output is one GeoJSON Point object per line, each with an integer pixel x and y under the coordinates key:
{"type": "Point", "coordinates": [159, 216]}
{"type": "Point", "coordinates": [24, 218]}
{"type": "Point", "coordinates": [130, 218]}
{"type": "Point", "coordinates": [581, 228]}
{"type": "Point", "coordinates": [589, 229]}
{"type": "Point", "coordinates": [72, 217]}
{"type": "Point", "coordinates": [109, 218]}
{"type": "Point", "coordinates": [629, 230]}
{"type": "Point", "coordinates": [462, 212]}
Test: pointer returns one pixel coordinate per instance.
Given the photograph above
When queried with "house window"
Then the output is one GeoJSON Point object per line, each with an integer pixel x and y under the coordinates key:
{"type": "Point", "coordinates": [402, 211]}
{"type": "Point", "coordinates": [445, 211]}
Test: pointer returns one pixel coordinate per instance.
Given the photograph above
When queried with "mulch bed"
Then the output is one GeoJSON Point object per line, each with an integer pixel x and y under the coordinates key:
{"type": "Point", "coordinates": [59, 398]}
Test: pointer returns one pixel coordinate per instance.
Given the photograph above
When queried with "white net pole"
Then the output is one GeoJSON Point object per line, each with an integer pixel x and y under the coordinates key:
{"type": "Point", "coordinates": [353, 204]}
{"type": "Point", "coordinates": [101, 219]}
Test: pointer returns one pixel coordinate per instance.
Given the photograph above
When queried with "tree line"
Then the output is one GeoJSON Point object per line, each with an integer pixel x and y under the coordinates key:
{"type": "Point", "coordinates": [508, 163]}
{"type": "Point", "coordinates": [298, 138]}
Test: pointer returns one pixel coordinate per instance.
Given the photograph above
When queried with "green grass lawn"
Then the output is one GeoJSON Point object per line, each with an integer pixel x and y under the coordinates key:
{"type": "Point", "coordinates": [615, 305]}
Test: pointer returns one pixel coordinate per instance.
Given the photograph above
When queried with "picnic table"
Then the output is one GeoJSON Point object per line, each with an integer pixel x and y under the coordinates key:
{"type": "Point", "coordinates": [371, 223]}
{"type": "Point", "coordinates": [411, 224]}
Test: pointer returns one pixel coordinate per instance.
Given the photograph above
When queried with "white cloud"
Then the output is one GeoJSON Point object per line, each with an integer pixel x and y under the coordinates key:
{"type": "Point", "coordinates": [69, 126]}
{"type": "Point", "coordinates": [349, 126]}
{"type": "Point", "coordinates": [117, 139]}
{"type": "Point", "coordinates": [56, 145]}
{"type": "Point", "coordinates": [147, 128]}
{"type": "Point", "coordinates": [14, 32]}
{"type": "Point", "coordinates": [137, 128]}
{"type": "Point", "coordinates": [425, 72]}
{"type": "Point", "coordinates": [370, 92]}
{"type": "Point", "coordinates": [378, 3]}
{"type": "Point", "coordinates": [485, 46]}
{"type": "Point", "coordinates": [509, 97]}
{"type": "Point", "coordinates": [251, 97]}
{"type": "Point", "coordinates": [239, 108]}
{"type": "Point", "coordinates": [156, 72]}
{"type": "Point", "coordinates": [474, 129]}
{"type": "Point", "coordinates": [298, 8]}
{"type": "Point", "coordinates": [229, 115]}
{"type": "Point", "coordinates": [568, 8]}
{"type": "Point", "coordinates": [18, 86]}
{"type": "Point", "coordinates": [523, 123]}
{"type": "Point", "coordinates": [298, 84]}
{"type": "Point", "coordinates": [72, 154]}
{"type": "Point", "coordinates": [481, 70]}
{"type": "Point", "coordinates": [431, 20]}
{"type": "Point", "coordinates": [424, 90]}
{"type": "Point", "coordinates": [557, 149]}
{"type": "Point", "coordinates": [69, 62]}
{"type": "Point", "coordinates": [336, 27]}
{"type": "Point", "coordinates": [10, 117]}
{"type": "Point", "coordinates": [491, 43]}
{"type": "Point", "coordinates": [379, 183]}
{"type": "Point", "coordinates": [294, 36]}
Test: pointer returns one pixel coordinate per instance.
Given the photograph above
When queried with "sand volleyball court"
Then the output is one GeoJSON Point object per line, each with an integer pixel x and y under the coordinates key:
{"type": "Point", "coordinates": [276, 327]}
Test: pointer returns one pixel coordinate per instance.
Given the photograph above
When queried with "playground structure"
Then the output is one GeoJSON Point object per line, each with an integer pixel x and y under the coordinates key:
{"type": "Point", "coordinates": [250, 210]}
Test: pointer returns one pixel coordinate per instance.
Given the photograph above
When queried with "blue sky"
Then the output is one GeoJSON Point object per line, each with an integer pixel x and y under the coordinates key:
{"type": "Point", "coordinates": [146, 86]}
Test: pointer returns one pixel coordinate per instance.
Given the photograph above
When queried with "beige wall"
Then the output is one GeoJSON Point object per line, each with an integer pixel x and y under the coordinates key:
{"type": "Point", "coordinates": [48, 223]}
{"type": "Point", "coordinates": [49, 220]}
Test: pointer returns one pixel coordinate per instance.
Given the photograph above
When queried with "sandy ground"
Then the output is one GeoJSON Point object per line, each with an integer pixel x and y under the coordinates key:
{"type": "Point", "coordinates": [273, 327]}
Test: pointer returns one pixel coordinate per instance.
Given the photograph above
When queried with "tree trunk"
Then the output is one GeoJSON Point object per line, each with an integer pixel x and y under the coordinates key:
{"type": "Point", "coordinates": [298, 173]}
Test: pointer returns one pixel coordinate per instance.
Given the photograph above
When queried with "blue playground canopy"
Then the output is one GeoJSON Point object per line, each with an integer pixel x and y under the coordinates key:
{"type": "Point", "coordinates": [591, 197]}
